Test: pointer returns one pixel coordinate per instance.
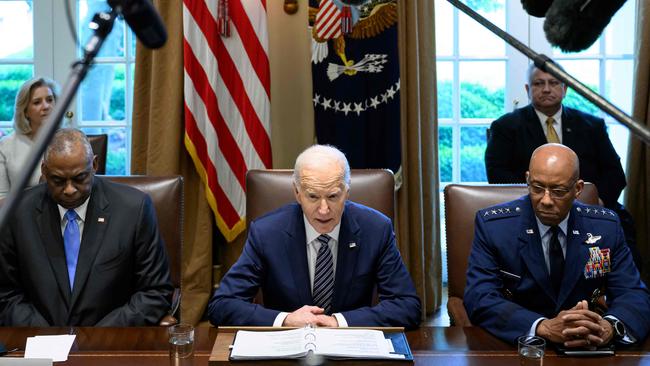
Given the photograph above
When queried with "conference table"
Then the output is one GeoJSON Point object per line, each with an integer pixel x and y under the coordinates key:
{"type": "Point", "coordinates": [146, 346]}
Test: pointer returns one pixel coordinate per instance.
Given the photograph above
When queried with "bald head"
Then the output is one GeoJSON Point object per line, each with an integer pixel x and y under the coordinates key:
{"type": "Point", "coordinates": [557, 158]}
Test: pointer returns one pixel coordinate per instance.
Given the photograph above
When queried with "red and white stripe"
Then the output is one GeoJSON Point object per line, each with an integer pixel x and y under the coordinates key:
{"type": "Point", "coordinates": [328, 20]}
{"type": "Point", "coordinates": [227, 102]}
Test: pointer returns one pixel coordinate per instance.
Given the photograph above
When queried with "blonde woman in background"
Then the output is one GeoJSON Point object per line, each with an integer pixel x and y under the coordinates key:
{"type": "Point", "coordinates": [34, 103]}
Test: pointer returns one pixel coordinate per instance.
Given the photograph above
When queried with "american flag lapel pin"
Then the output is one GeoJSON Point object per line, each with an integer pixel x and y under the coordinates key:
{"type": "Point", "coordinates": [100, 219]}
{"type": "Point", "coordinates": [352, 245]}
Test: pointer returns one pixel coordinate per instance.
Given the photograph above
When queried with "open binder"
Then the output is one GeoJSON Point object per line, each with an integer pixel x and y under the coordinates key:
{"type": "Point", "coordinates": [333, 343]}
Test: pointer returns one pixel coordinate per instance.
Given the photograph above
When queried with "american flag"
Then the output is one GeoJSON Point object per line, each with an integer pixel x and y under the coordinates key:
{"type": "Point", "coordinates": [227, 101]}
{"type": "Point", "coordinates": [328, 20]}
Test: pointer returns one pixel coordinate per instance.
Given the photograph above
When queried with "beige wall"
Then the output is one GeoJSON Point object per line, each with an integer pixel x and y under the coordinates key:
{"type": "Point", "coordinates": [292, 114]}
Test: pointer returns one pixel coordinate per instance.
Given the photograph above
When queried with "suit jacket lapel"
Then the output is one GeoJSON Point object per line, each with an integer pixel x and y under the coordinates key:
{"type": "Point", "coordinates": [296, 251]}
{"type": "Point", "coordinates": [95, 224]}
{"type": "Point", "coordinates": [346, 259]}
{"type": "Point", "coordinates": [530, 247]}
{"type": "Point", "coordinates": [568, 128]}
{"type": "Point", "coordinates": [534, 127]}
{"type": "Point", "coordinates": [49, 226]}
{"type": "Point", "coordinates": [577, 254]}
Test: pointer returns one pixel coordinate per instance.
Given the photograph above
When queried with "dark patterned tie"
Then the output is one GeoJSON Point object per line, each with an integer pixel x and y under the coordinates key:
{"type": "Point", "coordinates": [556, 259]}
{"type": "Point", "coordinates": [324, 276]}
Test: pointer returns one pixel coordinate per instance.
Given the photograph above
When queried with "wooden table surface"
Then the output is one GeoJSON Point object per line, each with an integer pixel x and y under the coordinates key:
{"type": "Point", "coordinates": [430, 345]}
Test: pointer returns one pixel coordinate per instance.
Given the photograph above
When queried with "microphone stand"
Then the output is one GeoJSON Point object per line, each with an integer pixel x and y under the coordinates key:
{"type": "Point", "coordinates": [547, 65]}
{"type": "Point", "coordinates": [102, 24]}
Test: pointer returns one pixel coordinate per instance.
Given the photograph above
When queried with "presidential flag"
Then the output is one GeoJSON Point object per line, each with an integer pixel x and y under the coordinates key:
{"type": "Point", "coordinates": [227, 100]}
{"type": "Point", "coordinates": [355, 72]}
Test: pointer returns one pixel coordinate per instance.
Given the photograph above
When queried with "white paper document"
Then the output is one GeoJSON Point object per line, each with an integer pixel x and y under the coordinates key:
{"type": "Point", "coordinates": [55, 347]}
{"type": "Point", "coordinates": [327, 342]}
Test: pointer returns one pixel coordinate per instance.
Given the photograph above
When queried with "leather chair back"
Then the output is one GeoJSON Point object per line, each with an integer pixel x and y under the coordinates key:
{"type": "Point", "coordinates": [461, 204]}
{"type": "Point", "coordinates": [168, 199]}
{"type": "Point", "coordinates": [99, 143]}
{"type": "Point", "coordinates": [269, 189]}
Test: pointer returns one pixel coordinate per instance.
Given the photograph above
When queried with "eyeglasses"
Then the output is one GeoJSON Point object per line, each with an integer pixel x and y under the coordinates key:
{"type": "Point", "coordinates": [555, 193]}
{"type": "Point", "coordinates": [552, 83]}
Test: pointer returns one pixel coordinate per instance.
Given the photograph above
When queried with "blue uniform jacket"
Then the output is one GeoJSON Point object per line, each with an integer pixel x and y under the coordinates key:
{"type": "Point", "coordinates": [506, 238]}
{"type": "Point", "coordinates": [274, 260]}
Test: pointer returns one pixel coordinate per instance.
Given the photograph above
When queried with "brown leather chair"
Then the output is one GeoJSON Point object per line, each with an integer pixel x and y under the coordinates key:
{"type": "Point", "coordinates": [168, 200]}
{"type": "Point", "coordinates": [461, 204]}
{"type": "Point", "coordinates": [267, 190]}
{"type": "Point", "coordinates": [99, 143]}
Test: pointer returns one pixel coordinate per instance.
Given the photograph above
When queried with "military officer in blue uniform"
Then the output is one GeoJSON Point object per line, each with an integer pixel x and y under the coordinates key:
{"type": "Point", "coordinates": [536, 262]}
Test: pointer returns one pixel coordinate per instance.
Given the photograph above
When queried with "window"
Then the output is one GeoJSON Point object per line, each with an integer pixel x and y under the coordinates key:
{"type": "Point", "coordinates": [37, 40]}
{"type": "Point", "coordinates": [480, 79]}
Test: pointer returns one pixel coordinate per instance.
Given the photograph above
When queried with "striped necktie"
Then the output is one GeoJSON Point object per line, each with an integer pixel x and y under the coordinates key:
{"type": "Point", "coordinates": [324, 276]}
{"type": "Point", "coordinates": [551, 134]}
{"type": "Point", "coordinates": [71, 243]}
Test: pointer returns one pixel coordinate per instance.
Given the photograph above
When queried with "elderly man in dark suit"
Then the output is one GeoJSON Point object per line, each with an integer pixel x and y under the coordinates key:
{"type": "Point", "coordinates": [536, 262]}
{"type": "Point", "coordinates": [318, 261]}
{"type": "Point", "coordinates": [80, 250]}
{"type": "Point", "coordinates": [515, 135]}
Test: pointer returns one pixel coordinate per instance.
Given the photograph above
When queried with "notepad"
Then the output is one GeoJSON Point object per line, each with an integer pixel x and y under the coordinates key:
{"type": "Point", "coordinates": [326, 342]}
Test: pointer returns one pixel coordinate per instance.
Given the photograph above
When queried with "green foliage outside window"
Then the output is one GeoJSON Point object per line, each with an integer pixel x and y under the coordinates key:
{"type": "Point", "coordinates": [11, 79]}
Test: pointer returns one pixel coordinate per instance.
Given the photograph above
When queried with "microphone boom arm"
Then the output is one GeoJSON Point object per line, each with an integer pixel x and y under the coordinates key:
{"type": "Point", "coordinates": [547, 65]}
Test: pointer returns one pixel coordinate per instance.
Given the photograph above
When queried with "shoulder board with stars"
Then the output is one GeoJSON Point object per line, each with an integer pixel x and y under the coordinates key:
{"type": "Point", "coordinates": [596, 212]}
{"type": "Point", "coordinates": [499, 212]}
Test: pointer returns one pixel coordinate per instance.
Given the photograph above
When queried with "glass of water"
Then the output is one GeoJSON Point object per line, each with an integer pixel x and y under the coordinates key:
{"type": "Point", "coordinates": [181, 344]}
{"type": "Point", "coordinates": [531, 350]}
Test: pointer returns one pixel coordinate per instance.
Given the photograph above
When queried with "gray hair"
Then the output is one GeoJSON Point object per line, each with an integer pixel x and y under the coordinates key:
{"type": "Point", "coordinates": [21, 123]}
{"type": "Point", "coordinates": [532, 68]}
{"type": "Point", "coordinates": [321, 151]}
{"type": "Point", "coordinates": [65, 140]}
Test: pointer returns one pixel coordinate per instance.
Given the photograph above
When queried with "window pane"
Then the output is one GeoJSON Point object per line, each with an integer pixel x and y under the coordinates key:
{"type": "Point", "coordinates": [475, 39]}
{"type": "Point", "coordinates": [619, 83]}
{"type": "Point", "coordinates": [16, 29]}
{"type": "Point", "coordinates": [444, 28]}
{"type": "Point", "coordinates": [445, 153]}
{"type": "Point", "coordinates": [5, 131]}
{"type": "Point", "coordinates": [587, 71]}
{"type": "Point", "coordinates": [11, 78]}
{"type": "Point", "coordinates": [472, 151]}
{"type": "Point", "coordinates": [482, 89]}
{"type": "Point", "coordinates": [102, 94]}
{"type": "Point", "coordinates": [113, 45]}
{"type": "Point", "coordinates": [116, 161]}
{"type": "Point", "coordinates": [618, 32]}
{"type": "Point", "coordinates": [445, 75]}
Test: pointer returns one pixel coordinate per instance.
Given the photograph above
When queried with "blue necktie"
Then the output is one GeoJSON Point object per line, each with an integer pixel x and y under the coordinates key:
{"type": "Point", "coordinates": [71, 243]}
{"type": "Point", "coordinates": [324, 276]}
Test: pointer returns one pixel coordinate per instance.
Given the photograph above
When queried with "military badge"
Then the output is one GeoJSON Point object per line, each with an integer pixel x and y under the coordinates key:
{"type": "Point", "coordinates": [599, 262]}
{"type": "Point", "coordinates": [592, 239]}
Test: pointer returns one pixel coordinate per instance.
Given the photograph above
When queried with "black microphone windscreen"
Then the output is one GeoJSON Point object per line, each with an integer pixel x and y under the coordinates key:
{"type": "Point", "coordinates": [574, 25]}
{"type": "Point", "coordinates": [536, 8]}
{"type": "Point", "coordinates": [144, 20]}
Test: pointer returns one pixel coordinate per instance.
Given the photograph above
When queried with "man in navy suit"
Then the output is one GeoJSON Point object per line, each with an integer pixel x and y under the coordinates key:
{"type": "Point", "coordinates": [80, 250]}
{"type": "Point", "coordinates": [536, 262]}
{"type": "Point", "coordinates": [515, 135]}
{"type": "Point", "coordinates": [284, 252]}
